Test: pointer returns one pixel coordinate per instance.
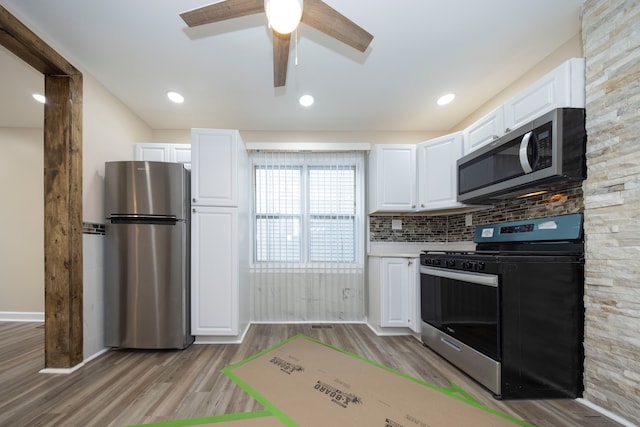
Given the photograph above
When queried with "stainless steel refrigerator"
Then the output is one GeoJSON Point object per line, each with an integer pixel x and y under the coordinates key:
{"type": "Point", "coordinates": [147, 263]}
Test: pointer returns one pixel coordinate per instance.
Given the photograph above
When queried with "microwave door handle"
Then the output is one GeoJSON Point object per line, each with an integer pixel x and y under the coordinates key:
{"type": "Point", "coordinates": [524, 159]}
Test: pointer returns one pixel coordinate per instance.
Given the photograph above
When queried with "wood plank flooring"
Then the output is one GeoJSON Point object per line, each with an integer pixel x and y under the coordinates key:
{"type": "Point", "coordinates": [122, 388]}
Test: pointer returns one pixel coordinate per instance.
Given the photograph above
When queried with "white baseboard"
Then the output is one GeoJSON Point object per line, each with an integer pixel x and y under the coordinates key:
{"type": "Point", "coordinates": [21, 316]}
{"type": "Point", "coordinates": [389, 332]}
{"type": "Point", "coordinates": [606, 413]}
{"type": "Point", "coordinates": [96, 355]}
{"type": "Point", "coordinates": [59, 371]}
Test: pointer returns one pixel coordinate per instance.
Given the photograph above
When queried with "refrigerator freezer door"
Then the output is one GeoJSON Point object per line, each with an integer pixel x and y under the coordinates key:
{"type": "Point", "coordinates": [147, 285]}
{"type": "Point", "coordinates": [146, 188]}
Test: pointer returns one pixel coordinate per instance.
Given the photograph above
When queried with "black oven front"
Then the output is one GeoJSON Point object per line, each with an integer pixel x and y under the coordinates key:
{"type": "Point", "coordinates": [511, 313]}
{"type": "Point", "coordinates": [460, 311]}
{"type": "Point", "coordinates": [464, 305]}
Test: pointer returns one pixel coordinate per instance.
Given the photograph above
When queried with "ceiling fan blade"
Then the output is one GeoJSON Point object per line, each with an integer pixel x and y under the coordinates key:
{"type": "Point", "coordinates": [323, 17]}
{"type": "Point", "coordinates": [280, 57]}
{"type": "Point", "coordinates": [221, 11]}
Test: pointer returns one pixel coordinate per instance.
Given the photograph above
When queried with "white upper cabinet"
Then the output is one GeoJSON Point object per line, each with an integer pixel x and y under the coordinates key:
{"type": "Point", "coordinates": [487, 129]}
{"type": "Point", "coordinates": [161, 152]}
{"type": "Point", "coordinates": [562, 87]}
{"type": "Point", "coordinates": [437, 172]}
{"type": "Point", "coordinates": [152, 152]}
{"type": "Point", "coordinates": [181, 153]}
{"type": "Point", "coordinates": [215, 166]}
{"type": "Point", "coordinates": [392, 180]}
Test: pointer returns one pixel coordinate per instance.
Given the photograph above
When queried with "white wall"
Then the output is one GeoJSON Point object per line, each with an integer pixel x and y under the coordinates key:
{"type": "Point", "coordinates": [21, 220]}
{"type": "Point", "coordinates": [110, 131]}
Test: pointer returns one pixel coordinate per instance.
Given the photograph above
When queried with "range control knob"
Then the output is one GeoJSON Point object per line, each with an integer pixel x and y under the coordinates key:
{"type": "Point", "coordinates": [480, 265]}
{"type": "Point", "coordinates": [437, 262]}
{"type": "Point", "coordinates": [451, 263]}
{"type": "Point", "coordinates": [468, 265]}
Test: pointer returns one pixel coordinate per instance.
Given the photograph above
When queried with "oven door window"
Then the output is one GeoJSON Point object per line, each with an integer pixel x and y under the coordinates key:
{"type": "Point", "coordinates": [463, 309]}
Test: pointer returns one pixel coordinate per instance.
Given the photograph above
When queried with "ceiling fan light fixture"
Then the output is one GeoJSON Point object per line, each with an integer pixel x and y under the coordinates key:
{"type": "Point", "coordinates": [283, 15]}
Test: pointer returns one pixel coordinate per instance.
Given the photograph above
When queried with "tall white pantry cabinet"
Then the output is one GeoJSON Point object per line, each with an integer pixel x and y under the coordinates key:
{"type": "Point", "coordinates": [220, 224]}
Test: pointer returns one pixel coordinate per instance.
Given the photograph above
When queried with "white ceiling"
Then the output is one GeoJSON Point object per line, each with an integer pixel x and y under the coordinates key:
{"type": "Point", "coordinates": [421, 49]}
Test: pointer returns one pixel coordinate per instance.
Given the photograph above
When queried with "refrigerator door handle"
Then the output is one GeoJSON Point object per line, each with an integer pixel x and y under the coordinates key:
{"type": "Point", "coordinates": [143, 219]}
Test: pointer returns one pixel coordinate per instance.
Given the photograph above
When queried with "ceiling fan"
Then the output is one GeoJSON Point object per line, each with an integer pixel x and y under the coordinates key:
{"type": "Point", "coordinates": [315, 13]}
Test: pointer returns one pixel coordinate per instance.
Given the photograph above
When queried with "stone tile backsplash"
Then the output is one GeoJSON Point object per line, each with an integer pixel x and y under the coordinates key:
{"type": "Point", "coordinates": [563, 199]}
{"type": "Point", "coordinates": [93, 228]}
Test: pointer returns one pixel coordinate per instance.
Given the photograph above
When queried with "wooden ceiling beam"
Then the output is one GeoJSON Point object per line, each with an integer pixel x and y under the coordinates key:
{"type": "Point", "coordinates": [26, 45]}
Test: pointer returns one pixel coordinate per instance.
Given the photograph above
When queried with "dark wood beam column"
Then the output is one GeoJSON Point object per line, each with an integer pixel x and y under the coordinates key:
{"type": "Point", "coordinates": [62, 191]}
{"type": "Point", "coordinates": [63, 221]}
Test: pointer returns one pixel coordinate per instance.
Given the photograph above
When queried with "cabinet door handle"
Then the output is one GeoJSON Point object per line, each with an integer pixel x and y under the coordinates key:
{"type": "Point", "coordinates": [194, 209]}
{"type": "Point", "coordinates": [507, 130]}
{"type": "Point", "coordinates": [194, 200]}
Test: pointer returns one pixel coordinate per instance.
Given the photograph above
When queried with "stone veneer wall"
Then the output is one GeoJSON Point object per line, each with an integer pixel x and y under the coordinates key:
{"type": "Point", "coordinates": [564, 199]}
{"type": "Point", "coordinates": [611, 38]}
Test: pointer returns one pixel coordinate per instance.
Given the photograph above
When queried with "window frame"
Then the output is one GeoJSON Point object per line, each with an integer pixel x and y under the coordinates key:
{"type": "Point", "coordinates": [307, 161]}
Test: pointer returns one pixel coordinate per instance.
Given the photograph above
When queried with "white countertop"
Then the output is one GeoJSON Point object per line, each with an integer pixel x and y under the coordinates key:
{"type": "Point", "coordinates": [413, 250]}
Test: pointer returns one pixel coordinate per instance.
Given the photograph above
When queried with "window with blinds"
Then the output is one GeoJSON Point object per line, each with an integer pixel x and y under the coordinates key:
{"type": "Point", "coordinates": [306, 208]}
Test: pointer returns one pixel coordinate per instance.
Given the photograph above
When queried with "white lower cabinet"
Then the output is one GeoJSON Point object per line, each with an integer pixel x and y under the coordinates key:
{"type": "Point", "coordinates": [214, 270]}
{"type": "Point", "coordinates": [394, 299]}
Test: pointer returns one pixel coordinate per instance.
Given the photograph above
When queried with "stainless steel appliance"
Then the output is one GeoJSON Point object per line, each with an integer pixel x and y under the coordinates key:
{"type": "Point", "coordinates": [510, 314]}
{"type": "Point", "coordinates": [548, 150]}
{"type": "Point", "coordinates": [147, 246]}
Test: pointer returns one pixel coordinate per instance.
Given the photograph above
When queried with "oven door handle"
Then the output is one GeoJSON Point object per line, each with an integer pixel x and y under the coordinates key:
{"type": "Point", "coordinates": [462, 276]}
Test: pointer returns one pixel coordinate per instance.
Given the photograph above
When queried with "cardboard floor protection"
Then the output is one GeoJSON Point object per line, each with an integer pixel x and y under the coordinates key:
{"type": "Point", "coordinates": [307, 383]}
{"type": "Point", "coordinates": [249, 419]}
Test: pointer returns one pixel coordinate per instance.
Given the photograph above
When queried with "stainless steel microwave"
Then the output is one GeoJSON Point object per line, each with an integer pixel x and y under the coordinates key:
{"type": "Point", "coordinates": [548, 150]}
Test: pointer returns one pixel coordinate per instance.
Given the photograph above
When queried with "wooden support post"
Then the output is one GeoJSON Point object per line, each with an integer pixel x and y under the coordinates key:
{"type": "Point", "coordinates": [63, 221]}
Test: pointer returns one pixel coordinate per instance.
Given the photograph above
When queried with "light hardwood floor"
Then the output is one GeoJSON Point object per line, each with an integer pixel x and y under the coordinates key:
{"type": "Point", "coordinates": [122, 388]}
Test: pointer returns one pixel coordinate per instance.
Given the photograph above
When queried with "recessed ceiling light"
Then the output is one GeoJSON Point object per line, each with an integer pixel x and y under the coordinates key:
{"type": "Point", "coordinates": [40, 98]}
{"type": "Point", "coordinates": [445, 99]}
{"type": "Point", "coordinates": [306, 100]}
{"type": "Point", "coordinates": [175, 97]}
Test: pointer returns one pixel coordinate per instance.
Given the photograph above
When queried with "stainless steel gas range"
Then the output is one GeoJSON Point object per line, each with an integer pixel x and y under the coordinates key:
{"type": "Point", "coordinates": [511, 314]}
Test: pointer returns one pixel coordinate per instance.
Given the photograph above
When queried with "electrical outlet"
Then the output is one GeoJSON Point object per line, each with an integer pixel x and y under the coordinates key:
{"type": "Point", "coordinates": [468, 220]}
{"type": "Point", "coordinates": [396, 224]}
